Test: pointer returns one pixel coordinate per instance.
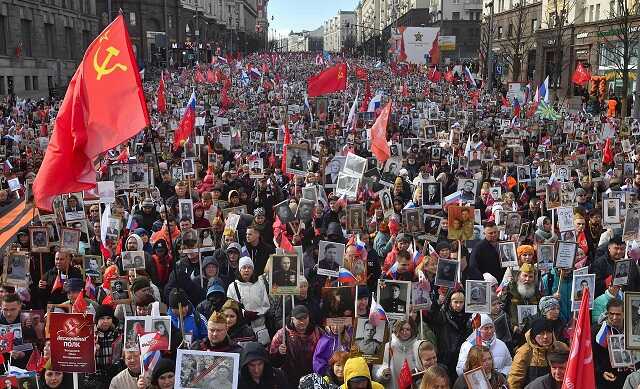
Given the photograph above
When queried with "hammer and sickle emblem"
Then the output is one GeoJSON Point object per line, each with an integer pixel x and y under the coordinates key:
{"type": "Point", "coordinates": [102, 70]}
{"type": "Point", "coordinates": [340, 75]}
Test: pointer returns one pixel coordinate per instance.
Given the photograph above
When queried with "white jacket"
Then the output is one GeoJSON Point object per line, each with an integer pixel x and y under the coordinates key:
{"type": "Point", "coordinates": [253, 296]}
{"type": "Point", "coordinates": [501, 356]}
{"type": "Point", "coordinates": [401, 350]}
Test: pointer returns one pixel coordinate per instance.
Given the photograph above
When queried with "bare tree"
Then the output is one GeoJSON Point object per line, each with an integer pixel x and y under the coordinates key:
{"type": "Point", "coordinates": [620, 42]}
{"type": "Point", "coordinates": [487, 31]}
{"type": "Point", "coordinates": [519, 41]}
{"type": "Point", "coordinates": [558, 21]}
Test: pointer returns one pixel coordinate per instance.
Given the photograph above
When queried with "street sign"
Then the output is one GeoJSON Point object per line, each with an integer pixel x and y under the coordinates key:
{"type": "Point", "coordinates": [498, 70]}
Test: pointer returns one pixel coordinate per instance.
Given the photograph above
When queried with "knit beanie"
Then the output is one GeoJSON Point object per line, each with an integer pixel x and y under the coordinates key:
{"type": "Point", "coordinates": [547, 303]}
{"type": "Point", "coordinates": [539, 326]}
{"type": "Point", "coordinates": [245, 261]}
{"type": "Point", "coordinates": [164, 366]}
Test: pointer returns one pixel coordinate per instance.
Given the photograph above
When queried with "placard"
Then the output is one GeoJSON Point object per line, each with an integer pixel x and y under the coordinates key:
{"type": "Point", "coordinates": [72, 342]}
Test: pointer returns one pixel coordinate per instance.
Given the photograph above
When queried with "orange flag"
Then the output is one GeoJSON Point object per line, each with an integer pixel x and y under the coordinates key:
{"type": "Point", "coordinates": [331, 80]}
{"type": "Point", "coordinates": [379, 146]}
{"type": "Point", "coordinates": [104, 106]}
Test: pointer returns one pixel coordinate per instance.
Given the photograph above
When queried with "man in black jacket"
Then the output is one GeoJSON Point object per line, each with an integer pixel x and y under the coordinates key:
{"type": "Point", "coordinates": [485, 258]}
{"type": "Point", "coordinates": [256, 369]}
{"type": "Point", "coordinates": [62, 269]}
{"type": "Point", "coordinates": [258, 250]}
{"type": "Point", "coordinates": [557, 365]}
{"type": "Point", "coordinates": [603, 266]}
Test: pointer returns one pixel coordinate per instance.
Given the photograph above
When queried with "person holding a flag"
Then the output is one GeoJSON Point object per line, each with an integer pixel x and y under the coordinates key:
{"type": "Point", "coordinates": [402, 347]}
{"type": "Point", "coordinates": [607, 376]}
{"type": "Point", "coordinates": [51, 285]}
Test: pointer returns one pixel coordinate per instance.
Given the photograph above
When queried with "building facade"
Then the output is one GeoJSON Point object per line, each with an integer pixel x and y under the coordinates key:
{"type": "Point", "coordinates": [180, 32]}
{"type": "Point", "coordinates": [306, 41]}
{"type": "Point", "coordinates": [42, 43]}
{"type": "Point", "coordinates": [339, 33]}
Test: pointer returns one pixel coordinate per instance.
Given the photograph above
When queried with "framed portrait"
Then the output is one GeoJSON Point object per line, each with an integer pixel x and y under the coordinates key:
{"type": "Point", "coordinates": [412, 220]}
{"type": "Point", "coordinates": [386, 202]}
{"type": "Point", "coordinates": [567, 194]}
{"type": "Point", "coordinates": [496, 193]}
{"type": "Point", "coordinates": [355, 165]}
{"type": "Point", "coordinates": [524, 173]}
{"type": "Point", "coordinates": [297, 157]}
{"type": "Point", "coordinates": [256, 168]}
{"type": "Point", "coordinates": [356, 217]}
{"type": "Point", "coordinates": [310, 193]}
{"type": "Point", "coordinates": [632, 320]}
{"type": "Point", "coordinates": [136, 326]}
{"type": "Point", "coordinates": [420, 296]}
{"type": "Point", "coordinates": [285, 270]}
{"type": "Point", "coordinates": [70, 239]}
{"type": "Point", "coordinates": [138, 175]}
{"type": "Point", "coordinates": [525, 312]}
{"type": "Point", "coordinates": [240, 210]}
{"type": "Point", "coordinates": [338, 305]}
{"type": "Point", "coordinates": [284, 212]}
{"type": "Point", "coordinates": [432, 195]}
{"type": "Point", "coordinates": [512, 224]}
{"type": "Point", "coordinates": [33, 322]}
{"type": "Point", "coordinates": [566, 254]}
{"type": "Point", "coordinates": [552, 197]}
{"type": "Point", "coordinates": [621, 269]}
{"type": "Point", "coordinates": [468, 189]}
{"type": "Point", "coordinates": [305, 209]}
{"type": "Point", "coordinates": [106, 191]}
{"type": "Point", "coordinates": [546, 255]}
{"type": "Point", "coordinates": [541, 185]}
{"type": "Point", "coordinates": [619, 356]}
{"type": "Point", "coordinates": [185, 209]}
{"type": "Point", "coordinates": [206, 369]}
{"type": "Point", "coordinates": [119, 174]}
{"type": "Point", "coordinates": [447, 271]}
{"type": "Point", "coordinates": [133, 260]}
{"type": "Point", "coordinates": [120, 289]}
{"type": "Point", "coordinates": [73, 206]}
{"type": "Point", "coordinates": [478, 297]}
{"type": "Point", "coordinates": [461, 220]}
{"type": "Point", "coordinates": [370, 339]}
{"type": "Point", "coordinates": [578, 286]}
{"type": "Point", "coordinates": [83, 227]}
{"type": "Point", "coordinates": [347, 185]}
{"type": "Point", "coordinates": [205, 237]}
{"type": "Point", "coordinates": [357, 265]}
{"type": "Point", "coordinates": [92, 265]}
{"type": "Point", "coordinates": [188, 167]}
{"type": "Point", "coordinates": [39, 238]}
{"type": "Point", "coordinates": [507, 254]}
{"type": "Point", "coordinates": [330, 258]}
{"type": "Point", "coordinates": [432, 227]}
{"type": "Point", "coordinates": [631, 229]}
{"type": "Point", "coordinates": [611, 211]}
{"type": "Point", "coordinates": [564, 216]}
{"type": "Point", "coordinates": [476, 379]}
{"type": "Point", "coordinates": [394, 297]}
{"type": "Point", "coordinates": [16, 268]}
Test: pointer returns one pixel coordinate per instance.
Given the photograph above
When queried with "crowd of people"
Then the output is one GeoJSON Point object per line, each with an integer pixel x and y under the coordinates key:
{"type": "Point", "coordinates": [276, 240]}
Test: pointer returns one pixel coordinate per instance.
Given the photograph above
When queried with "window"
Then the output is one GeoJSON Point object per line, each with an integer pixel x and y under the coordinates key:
{"type": "Point", "coordinates": [50, 37]}
{"type": "Point", "coordinates": [552, 19]}
{"type": "Point", "coordinates": [50, 84]}
{"type": "Point", "coordinates": [27, 83]}
{"type": "Point", "coordinates": [10, 86]}
{"type": "Point", "coordinates": [3, 91]}
{"type": "Point", "coordinates": [597, 17]}
{"type": "Point", "coordinates": [590, 13]}
{"type": "Point", "coordinates": [534, 24]}
{"type": "Point", "coordinates": [86, 38]}
{"type": "Point", "coordinates": [34, 83]}
{"type": "Point", "coordinates": [3, 35]}
{"type": "Point", "coordinates": [455, 16]}
{"type": "Point", "coordinates": [26, 37]}
{"type": "Point", "coordinates": [132, 18]}
{"type": "Point", "coordinates": [69, 42]}
{"type": "Point", "coordinates": [499, 32]}
{"type": "Point", "coordinates": [510, 30]}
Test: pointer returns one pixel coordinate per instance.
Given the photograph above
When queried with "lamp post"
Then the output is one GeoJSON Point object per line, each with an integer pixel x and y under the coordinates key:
{"type": "Point", "coordinates": [636, 93]}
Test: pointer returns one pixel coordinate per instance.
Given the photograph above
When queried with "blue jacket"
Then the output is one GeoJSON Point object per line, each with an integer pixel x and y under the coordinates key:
{"type": "Point", "coordinates": [194, 323]}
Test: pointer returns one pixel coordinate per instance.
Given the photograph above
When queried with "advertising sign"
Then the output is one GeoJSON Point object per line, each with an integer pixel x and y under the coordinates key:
{"type": "Point", "coordinates": [72, 342]}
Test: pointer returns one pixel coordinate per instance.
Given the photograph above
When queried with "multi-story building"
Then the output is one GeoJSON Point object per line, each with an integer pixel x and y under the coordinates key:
{"type": "Point", "coordinates": [308, 41]}
{"type": "Point", "coordinates": [183, 31]}
{"type": "Point", "coordinates": [42, 43]}
{"type": "Point", "coordinates": [339, 33]}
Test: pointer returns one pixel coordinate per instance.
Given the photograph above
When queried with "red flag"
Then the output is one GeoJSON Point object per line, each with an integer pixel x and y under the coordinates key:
{"type": "Point", "coordinates": [580, 369]}
{"type": "Point", "coordinates": [162, 100]}
{"type": "Point", "coordinates": [379, 146]}
{"type": "Point", "coordinates": [607, 153]}
{"type": "Point", "coordinates": [36, 361]}
{"type": "Point", "coordinates": [367, 97]}
{"type": "Point", "coordinates": [505, 102]}
{"type": "Point", "coordinates": [265, 68]}
{"type": "Point", "coordinates": [211, 78]}
{"type": "Point", "coordinates": [434, 75]}
{"type": "Point", "coordinates": [581, 75]}
{"type": "Point", "coordinates": [80, 305]}
{"type": "Point", "coordinates": [57, 284]}
{"type": "Point", "coordinates": [448, 76]}
{"type": "Point", "coordinates": [435, 51]}
{"type": "Point", "coordinates": [104, 106]}
{"type": "Point", "coordinates": [334, 79]}
{"type": "Point", "coordinates": [287, 140]}
{"type": "Point", "coordinates": [405, 90]}
{"type": "Point", "coordinates": [361, 73]}
{"type": "Point", "coordinates": [404, 378]}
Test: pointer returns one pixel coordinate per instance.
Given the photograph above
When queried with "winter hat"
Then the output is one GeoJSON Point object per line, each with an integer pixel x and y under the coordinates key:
{"type": "Point", "coordinates": [547, 303]}
{"type": "Point", "coordinates": [215, 286]}
{"type": "Point", "coordinates": [141, 231]}
{"type": "Point", "coordinates": [234, 246]}
{"type": "Point", "coordinates": [485, 320]}
{"type": "Point", "coordinates": [489, 277]}
{"type": "Point", "coordinates": [245, 261]}
{"type": "Point", "coordinates": [539, 326]}
{"type": "Point", "coordinates": [259, 212]}
{"type": "Point", "coordinates": [218, 317]}
{"type": "Point", "coordinates": [525, 249]}
{"type": "Point", "coordinates": [164, 366]}
{"type": "Point", "coordinates": [105, 311]}
{"type": "Point", "coordinates": [140, 283]}
{"type": "Point", "coordinates": [177, 298]}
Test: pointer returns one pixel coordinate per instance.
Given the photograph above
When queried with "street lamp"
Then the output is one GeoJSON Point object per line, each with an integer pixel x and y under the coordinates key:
{"type": "Point", "coordinates": [490, 47]}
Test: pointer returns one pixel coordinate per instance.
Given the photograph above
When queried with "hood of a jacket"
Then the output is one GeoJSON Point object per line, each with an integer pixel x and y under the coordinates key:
{"type": "Point", "coordinates": [356, 367]}
{"type": "Point", "coordinates": [138, 240]}
{"type": "Point", "coordinates": [534, 345]}
{"type": "Point", "coordinates": [253, 351]}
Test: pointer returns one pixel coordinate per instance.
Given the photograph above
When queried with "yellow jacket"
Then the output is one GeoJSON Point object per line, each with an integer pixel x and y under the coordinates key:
{"type": "Point", "coordinates": [357, 367]}
{"type": "Point", "coordinates": [530, 362]}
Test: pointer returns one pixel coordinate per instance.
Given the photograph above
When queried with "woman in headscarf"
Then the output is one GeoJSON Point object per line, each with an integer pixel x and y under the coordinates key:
{"type": "Point", "coordinates": [544, 233]}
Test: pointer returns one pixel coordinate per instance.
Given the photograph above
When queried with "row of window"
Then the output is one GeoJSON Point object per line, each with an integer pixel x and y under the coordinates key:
{"type": "Point", "coordinates": [511, 30]}
{"type": "Point", "coordinates": [67, 49]}
{"type": "Point", "coordinates": [31, 83]}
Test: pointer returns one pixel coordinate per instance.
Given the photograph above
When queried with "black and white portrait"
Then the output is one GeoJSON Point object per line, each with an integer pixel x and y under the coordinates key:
{"type": "Point", "coordinates": [394, 298]}
{"type": "Point", "coordinates": [432, 195]}
{"type": "Point", "coordinates": [385, 201]}
{"type": "Point", "coordinates": [138, 175]}
{"type": "Point", "coordinates": [330, 258]}
{"type": "Point", "coordinates": [133, 260]}
{"type": "Point", "coordinates": [73, 206]}
{"type": "Point", "coordinates": [297, 157]}
{"type": "Point", "coordinates": [206, 369]}
{"type": "Point", "coordinates": [621, 269]}
{"type": "Point", "coordinates": [356, 217]}
{"type": "Point", "coordinates": [39, 237]}
{"type": "Point", "coordinates": [446, 274]}
{"type": "Point", "coordinates": [370, 338]}
{"type": "Point", "coordinates": [432, 227]}
{"type": "Point", "coordinates": [70, 240]}
{"type": "Point", "coordinates": [545, 256]}
{"type": "Point", "coordinates": [16, 269]}
{"type": "Point", "coordinates": [611, 211]}
{"type": "Point", "coordinates": [524, 173]}
{"type": "Point", "coordinates": [412, 220]}
{"type": "Point", "coordinates": [507, 252]}
{"type": "Point", "coordinates": [284, 212]}
{"type": "Point", "coordinates": [188, 167]}
{"type": "Point", "coordinates": [478, 297]}
{"type": "Point", "coordinates": [284, 274]}
{"type": "Point", "coordinates": [304, 212]}
{"type": "Point", "coordinates": [355, 165]}
{"type": "Point", "coordinates": [347, 185]}
{"type": "Point", "coordinates": [467, 187]}
{"type": "Point", "coordinates": [185, 209]}
{"type": "Point", "coordinates": [566, 254]}
{"type": "Point", "coordinates": [512, 223]}
{"type": "Point", "coordinates": [578, 287]}
{"type": "Point", "coordinates": [525, 312]}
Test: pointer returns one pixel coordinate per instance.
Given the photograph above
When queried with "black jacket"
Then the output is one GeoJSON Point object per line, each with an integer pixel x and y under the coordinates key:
{"type": "Point", "coordinates": [485, 259]}
{"type": "Point", "coordinates": [602, 267]}
{"type": "Point", "coordinates": [259, 255]}
{"type": "Point", "coordinates": [272, 378]}
{"type": "Point", "coordinates": [181, 278]}
{"type": "Point", "coordinates": [59, 296]}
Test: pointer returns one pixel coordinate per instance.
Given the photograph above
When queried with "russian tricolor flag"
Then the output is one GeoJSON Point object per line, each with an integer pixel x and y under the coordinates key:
{"type": "Point", "coordinates": [185, 128]}
{"type": "Point", "coordinates": [376, 313]}
{"type": "Point", "coordinates": [603, 333]}
{"type": "Point", "coordinates": [469, 77]}
{"type": "Point", "coordinates": [375, 102]}
{"type": "Point", "coordinates": [542, 94]}
{"type": "Point", "coordinates": [346, 277]}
